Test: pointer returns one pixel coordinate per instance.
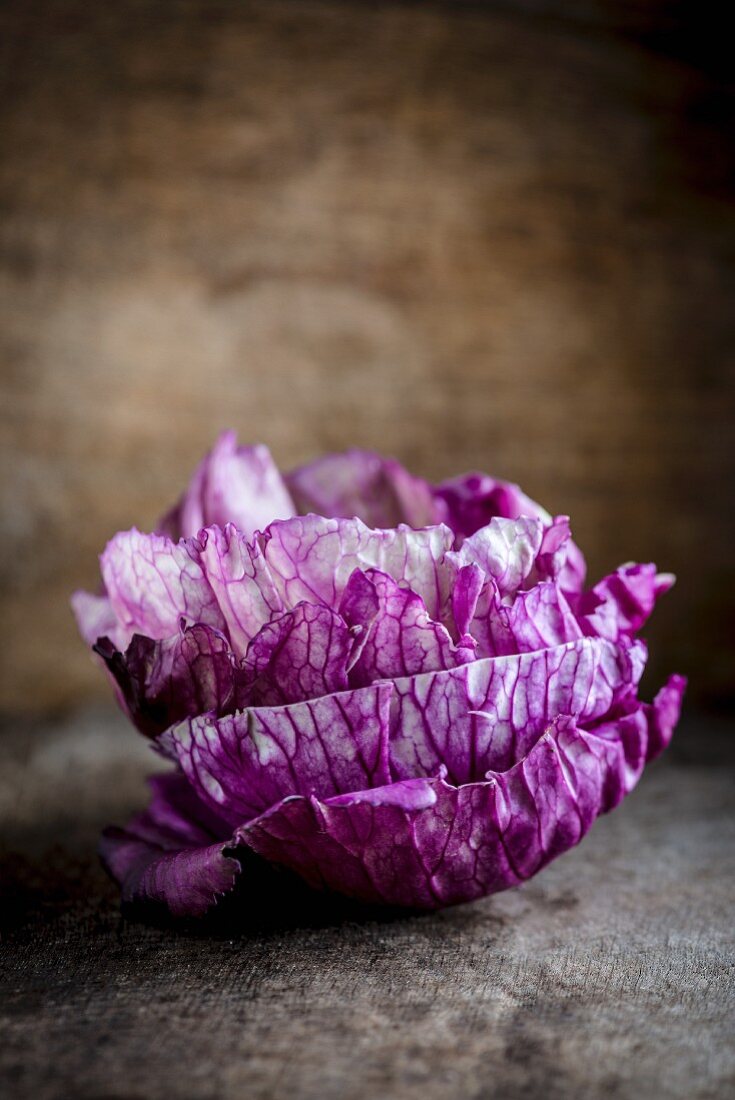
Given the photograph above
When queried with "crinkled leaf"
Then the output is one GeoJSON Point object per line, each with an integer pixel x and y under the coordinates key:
{"type": "Point", "coordinates": [535, 619]}
{"type": "Point", "coordinates": [174, 855]}
{"type": "Point", "coordinates": [241, 582]}
{"type": "Point", "coordinates": [153, 583]}
{"type": "Point", "coordinates": [300, 655]}
{"type": "Point", "coordinates": [620, 603]}
{"type": "Point", "coordinates": [663, 714]}
{"type": "Point", "coordinates": [162, 682]}
{"type": "Point", "coordinates": [400, 638]}
{"type": "Point", "coordinates": [488, 714]}
{"type": "Point", "coordinates": [559, 558]}
{"type": "Point", "coordinates": [505, 550]}
{"type": "Point", "coordinates": [312, 559]}
{"type": "Point", "coordinates": [468, 587]}
{"type": "Point", "coordinates": [426, 843]}
{"type": "Point", "coordinates": [219, 580]}
{"type": "Point", "coordinates": [241, 764]}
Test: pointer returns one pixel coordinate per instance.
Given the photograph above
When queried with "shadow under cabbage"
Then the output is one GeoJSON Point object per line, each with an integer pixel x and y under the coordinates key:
{"type": "Point", "coordinates": [270, 898]}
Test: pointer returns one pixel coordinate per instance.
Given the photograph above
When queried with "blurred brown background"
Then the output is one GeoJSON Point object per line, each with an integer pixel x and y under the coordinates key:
{"type": "Point", "coordinates": [471, 235]}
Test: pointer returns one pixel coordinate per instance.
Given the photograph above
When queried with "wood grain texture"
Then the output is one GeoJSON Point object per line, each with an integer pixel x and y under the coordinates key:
{"type": "Point", "coordinates": [612, 974]}
{"type": "Point", "coordinates": [470, 235]}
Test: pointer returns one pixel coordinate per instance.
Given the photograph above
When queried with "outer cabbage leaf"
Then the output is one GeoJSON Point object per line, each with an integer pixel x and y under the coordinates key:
{"type": "Point", "coordinates": [174, 855]}
{"type": "Point", "coordinates": [454, 843]}
{"type": "Point", "coordinates": [422, 843]}
{"type": "Point", "coordinates": [241, 764]}
{"type": "Point", "coordinates": [488, 714]}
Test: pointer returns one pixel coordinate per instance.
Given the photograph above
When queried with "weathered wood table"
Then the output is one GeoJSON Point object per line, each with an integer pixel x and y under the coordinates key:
{"type": "Point", "coordinates": [610, 975]}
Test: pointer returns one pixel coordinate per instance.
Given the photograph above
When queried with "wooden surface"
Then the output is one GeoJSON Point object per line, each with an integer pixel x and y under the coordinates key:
{"type": "Point", "coordinates": [494, 235]}
{"type": "Point", "coordinates": [610, 975]}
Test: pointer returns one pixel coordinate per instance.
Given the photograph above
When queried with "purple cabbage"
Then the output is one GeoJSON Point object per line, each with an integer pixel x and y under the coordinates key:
{"type": "Point", "coordinates": [401, 691]}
